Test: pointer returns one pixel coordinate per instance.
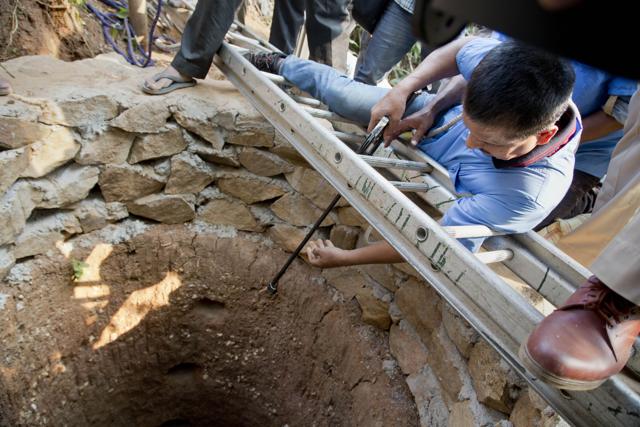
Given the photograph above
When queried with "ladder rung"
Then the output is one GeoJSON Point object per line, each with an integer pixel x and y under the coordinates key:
{"type": "Point", "coordinates": [327, 115]}
{"type": "Point", "coordinates": [495, 256]}
{"type": "Point", "coordinates": [470, 231]}
{"type": "Point", "coordinates": [411, 187]}
{"type": "Point", "coordinates": [306, 100]}
{"type": "Point", "coordinates": [385, 162]}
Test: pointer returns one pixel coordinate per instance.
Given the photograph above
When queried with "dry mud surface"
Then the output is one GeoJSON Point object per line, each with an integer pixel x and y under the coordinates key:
{"type": "Point", "coordinates": [171, 328]}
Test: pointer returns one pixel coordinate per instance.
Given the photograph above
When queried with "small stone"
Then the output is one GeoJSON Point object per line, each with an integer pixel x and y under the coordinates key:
{"type": "Point", "coordinates": [120, 183]}
{"type": "Point", "coordinates": [349, 216]}
{"type": "Point", "coordinates": [226, 211]}
{"type": "Point", "coordinates": [198, 117]}
{"type": "Point", "coordinates": [148, 117]}
{"type": "Point", "coordinates": [41, 235]}
{"type": "Point", "coordinates": [169, 209]}
{"type": "Point", "coordinates": [12, 164]}
{"type": "Point", "coordinates": [374, 311]}
{"type": "Point", "coordinates": [111, 146]}
{"type": "Point", "coordinates": [252, 188]}
{"type": "Point", "coordinates": [153, 146]}
{"type": "Point", "coordinates": [313, 186]}
{"type": "Point", "coordinates": [81, 111]}
{"type": "Point", "coordinates": [298, 210]}
{"type": "Point", "coordinates": [17, 132]}
{"type": "Point", "coordinates": [524, 413]}
{"type": "Point", "coordinates": [407, 348]}
{"type": "Point", "coordinates": [48, 154]}
{"type": "Point", "coordinates": [428, 397]}
{"type": "Point", "coordinates": [347, 280]}
{"type": "Point", "coordinates": [460, 332]}
{"type": "Point", "coordinates": [251, 139]}
{"type": "Point", "coordinates": [344, 237]}
{"type": "Point", "coordinates": [263, 162]}
{"type": "Point", "coordinates": [15, 207]}
{"type": "Point", "coordinates": [284, 150]}
{"type": "Point", "coordinates": [382, 274]}
{"type": "Point", "coordinates": [63, 187]}
{"type": "Point", "coordinates": [7, 261]}
{"type": "Point", "coordinates": [189, 174]}
{"type": "Point", "coordinates": [227, 156]}
{"type": "Point", "coordinates": [462, 415]}
{"type": "Point", "coordinates": [288, 236]}
{"type": "Point", "coordinates": [419, 305]}
{"type": "Point", "coordinates": [93, 213]}
{"type": "Point", "coordinates": [491, 378]}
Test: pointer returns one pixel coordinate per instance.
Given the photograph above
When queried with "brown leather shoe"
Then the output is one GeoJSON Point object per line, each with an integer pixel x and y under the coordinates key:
{"type": "Point", "coordinates": [5, 87]}
{"type": "Point", "coordinates": [585, 341]}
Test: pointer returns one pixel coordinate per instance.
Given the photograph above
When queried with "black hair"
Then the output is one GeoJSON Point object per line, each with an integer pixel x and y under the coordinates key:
{"type": "Point", "coordinates": [519, 87]}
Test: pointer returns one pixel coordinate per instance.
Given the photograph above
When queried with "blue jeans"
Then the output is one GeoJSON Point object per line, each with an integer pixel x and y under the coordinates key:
{"type": "Point", "coordinates": [390, 41]}
{"type": "Point", "coordinates": [352, 100]}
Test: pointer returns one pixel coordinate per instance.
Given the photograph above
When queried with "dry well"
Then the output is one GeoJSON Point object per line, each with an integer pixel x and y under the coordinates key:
{"type": "Point", "coordinates": [136, 234]}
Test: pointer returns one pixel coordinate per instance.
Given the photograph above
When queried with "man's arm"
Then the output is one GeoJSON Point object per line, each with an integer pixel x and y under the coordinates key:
{"type": "Point", "coordinates": [423, 119]}
{"type": "Point", "coordinates": [324, 254]}
{"type": "Point", "coordinates": [439, 64]}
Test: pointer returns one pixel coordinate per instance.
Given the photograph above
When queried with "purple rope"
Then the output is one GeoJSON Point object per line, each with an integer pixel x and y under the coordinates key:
{"type": "Point", "coordinates": [111, 20]}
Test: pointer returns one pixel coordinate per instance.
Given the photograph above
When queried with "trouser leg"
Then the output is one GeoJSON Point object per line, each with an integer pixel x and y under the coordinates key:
{"type": "Point", "coordinates": [328, 38]}
{"type": "Point", "coordinates": [569, 206]}
{"type": "Point", "coordinates": [288, 17]}
{"type": "Point", "coordinates": [203, 36]}
{"type": "Point", "coordinates": [390, 41]}
{"type": "Point", "coordinates": [352, 100]}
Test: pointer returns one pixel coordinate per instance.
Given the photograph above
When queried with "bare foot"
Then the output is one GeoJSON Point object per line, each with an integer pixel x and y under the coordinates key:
{"type": "Point", "coordinates": [5, 87]}
{"type": "Point", "coordinates": [154, 83]}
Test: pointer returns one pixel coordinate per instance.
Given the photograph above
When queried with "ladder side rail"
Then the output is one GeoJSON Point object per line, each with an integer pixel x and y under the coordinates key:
{"type": "Point", "coordinates": [484, 300]}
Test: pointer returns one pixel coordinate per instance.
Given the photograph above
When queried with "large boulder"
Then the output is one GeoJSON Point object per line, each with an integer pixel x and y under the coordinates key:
{"type": "Point", "coordinates": [166, 208]}
{"type": "Point", "coordinates": [121, 183]}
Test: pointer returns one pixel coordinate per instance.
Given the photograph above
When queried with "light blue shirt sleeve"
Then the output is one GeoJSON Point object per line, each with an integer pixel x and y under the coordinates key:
{"type": "Point", "coordinates": [498, 212]}
{"type": "Point", "coordinates": [472, 53]}
{"type": "Point", "coordinates": [620, 86]}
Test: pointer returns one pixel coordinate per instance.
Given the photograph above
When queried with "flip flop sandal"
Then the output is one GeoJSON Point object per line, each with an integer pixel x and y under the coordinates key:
{"type": "Point", "coordinates": [178, 83]}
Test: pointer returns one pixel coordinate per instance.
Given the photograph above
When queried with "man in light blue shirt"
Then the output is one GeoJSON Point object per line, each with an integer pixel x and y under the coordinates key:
{"type": "Point", "coordinates": [511, 155]}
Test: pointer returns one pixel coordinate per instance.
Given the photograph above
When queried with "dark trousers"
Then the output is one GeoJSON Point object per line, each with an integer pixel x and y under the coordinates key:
{"type": "Point", "coordinates": [203, 35]}
{"type": "Point", "coordinates": [326, 25]}
{"type": "Point", "coordinates": [580, 199]}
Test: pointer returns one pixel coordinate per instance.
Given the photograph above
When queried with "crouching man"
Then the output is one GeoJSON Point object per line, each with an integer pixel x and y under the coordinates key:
{"type": "Point", "coordinates": [512, 154]}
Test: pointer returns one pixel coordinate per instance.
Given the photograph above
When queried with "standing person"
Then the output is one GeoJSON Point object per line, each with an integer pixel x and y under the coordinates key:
{"type": "Point", "coordinates": [326, 26]}
{"type": "Point", "coordinates": [589, 338]}
{"type": "Point", "coordinates": [201, 39]}
{"type": "Point", "coordinates": [392, 38]}
{"type": "Point", "coordinates": [5, 87]}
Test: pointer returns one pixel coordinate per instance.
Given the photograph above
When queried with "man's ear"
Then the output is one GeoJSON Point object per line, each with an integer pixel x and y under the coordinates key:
{"type": "Point", "coordinates": [546, 135]}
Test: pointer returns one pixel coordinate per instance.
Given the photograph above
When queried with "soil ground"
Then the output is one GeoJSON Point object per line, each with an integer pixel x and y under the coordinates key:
{"type": "Point", "coordinates": [171, 328]}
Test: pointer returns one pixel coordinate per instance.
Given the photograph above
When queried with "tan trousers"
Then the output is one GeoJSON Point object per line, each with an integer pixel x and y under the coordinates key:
{"type": "Point", "coordinates": [609, 242]}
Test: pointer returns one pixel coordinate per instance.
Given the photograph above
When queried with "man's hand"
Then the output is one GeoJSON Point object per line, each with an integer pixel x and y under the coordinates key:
{"type": "Point", "coordinates": [391, 105]}
{"type": "Point", "coordinates": [420, 121]}
{"type": "Point", "coordinates": [324, 254]}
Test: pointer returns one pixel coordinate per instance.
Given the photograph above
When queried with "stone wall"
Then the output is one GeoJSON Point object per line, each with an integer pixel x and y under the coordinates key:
{"type": "Point", "coordinates": [81, 148]}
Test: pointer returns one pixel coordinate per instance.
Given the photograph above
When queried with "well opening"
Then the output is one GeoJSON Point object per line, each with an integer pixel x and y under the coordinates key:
{"type": "Point", "coordinates": [171, 329]}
